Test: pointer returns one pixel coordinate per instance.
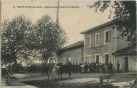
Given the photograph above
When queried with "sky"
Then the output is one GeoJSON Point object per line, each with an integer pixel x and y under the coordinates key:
{"type": "Point", "coordinates": [72, 20]}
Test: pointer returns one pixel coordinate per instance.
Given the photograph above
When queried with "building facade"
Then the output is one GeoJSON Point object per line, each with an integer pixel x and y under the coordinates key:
{"type": "Point", "coordinates": [73, 52]}
{"type": "Point", "coordinates": [101, 42]}
{"type": "Point", "coordinates": [127, 57]}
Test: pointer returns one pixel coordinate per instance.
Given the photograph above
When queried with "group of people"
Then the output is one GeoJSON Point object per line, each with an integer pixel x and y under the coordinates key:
{"type": "Point", "coordinates": [55, 70]}
{"type": "Point", "coordinates": [59, 68]}
{"type": "Point", "coordinates": [92, 67]}
{"type": "Point", "coordinates": [88, 67]}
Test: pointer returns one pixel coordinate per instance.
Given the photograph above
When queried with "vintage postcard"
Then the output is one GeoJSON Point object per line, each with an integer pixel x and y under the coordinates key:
{"type": "Point", "coordinates": [68, 44]}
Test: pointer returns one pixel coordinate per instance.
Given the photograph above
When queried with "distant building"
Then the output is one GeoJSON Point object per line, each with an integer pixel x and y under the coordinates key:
{"type": "Point", "coordinates": [73, 52]}
{"type": "Point", "coordinates": [127, 57]}
{"type": "Point", "coordinates": [102, 45]}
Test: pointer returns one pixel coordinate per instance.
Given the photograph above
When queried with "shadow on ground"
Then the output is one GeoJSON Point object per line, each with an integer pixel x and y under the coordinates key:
{"type": "Point", "coordinates": [56, 84]}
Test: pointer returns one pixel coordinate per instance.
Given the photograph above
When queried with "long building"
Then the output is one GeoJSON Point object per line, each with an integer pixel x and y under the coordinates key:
{"type": "Point", "coordinates": [73, 52]}
{"type": "Point", "coordinates": [102, 44]}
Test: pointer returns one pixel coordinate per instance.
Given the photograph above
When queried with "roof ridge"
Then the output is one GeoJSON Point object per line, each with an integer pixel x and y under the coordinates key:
{"type": "Point", "coordinates": [76, 44]}
{"type": "Point", "coordinates": [97, 27]}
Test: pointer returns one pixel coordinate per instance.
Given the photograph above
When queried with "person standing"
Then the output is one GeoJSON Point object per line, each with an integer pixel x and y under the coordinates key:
{"type": "Point", "coordinates": [100, 67]}
{"type": "Point", "coordinates": [110, 67]}
{"type": "Point", "coordinates": [90, 67]}
{"type": "Point", "coordinates": [82, 67]}
{"type": "Point", "coordinates": [118, 66]}
{"type": "Point", "coordinates": [103, 67]}
{"type": "Point", "coordinates": [86, 67]}
{"type": "Point", "coordinates": [79, 68]}
{"type": "Point", "coordinates": [94, 67]}
{"type": "Point", "coordinates": [54, 70]}
{"type": "Point", "coordinates": [69, 67]}
{"type": "Point", "coordinates": [97, 67]}
{"type": "Point", "coordinates": [106, 68]}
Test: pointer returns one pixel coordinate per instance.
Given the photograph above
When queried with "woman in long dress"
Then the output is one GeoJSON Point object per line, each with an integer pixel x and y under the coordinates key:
{"type": "Point", "coordinates": [54, 70]}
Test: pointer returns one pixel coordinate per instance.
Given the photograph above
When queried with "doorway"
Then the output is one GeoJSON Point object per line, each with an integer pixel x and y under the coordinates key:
{"type": "Point", "coordinates": [97, 58]}
{"type": "Point", "coordinates": [106, 58]}
{"type": "Point", "coordinates": [126, 64]}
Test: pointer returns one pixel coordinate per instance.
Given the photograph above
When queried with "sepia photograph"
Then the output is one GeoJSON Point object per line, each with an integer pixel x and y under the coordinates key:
{"type": "Point", "coordinates": [68, 44]}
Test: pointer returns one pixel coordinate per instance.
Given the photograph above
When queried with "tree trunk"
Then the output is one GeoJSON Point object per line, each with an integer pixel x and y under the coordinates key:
{"type": "Point", "coordinates": [15, 63]}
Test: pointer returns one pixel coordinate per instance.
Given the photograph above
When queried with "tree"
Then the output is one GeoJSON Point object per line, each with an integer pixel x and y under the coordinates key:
{"type": "Point", "coordinates": [14, 35]}
{"type": "Point", "coordinates": [125, 16]}
{"type": "Point", "coordinates": [28, 56]}
{"type": "Point", "coordinates": [50, 37]}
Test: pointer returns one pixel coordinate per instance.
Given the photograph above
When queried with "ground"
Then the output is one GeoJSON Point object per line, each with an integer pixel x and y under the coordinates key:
{"type": "Point", "coordinates": [83, 80]}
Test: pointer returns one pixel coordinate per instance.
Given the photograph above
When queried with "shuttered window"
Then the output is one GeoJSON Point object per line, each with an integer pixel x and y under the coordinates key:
{"type": "Point", "coordinates": [107, 37]}
{"type": "Point", "coordinates": [87, 41]}
{"type": "Point", "coordinates": [96, 39]}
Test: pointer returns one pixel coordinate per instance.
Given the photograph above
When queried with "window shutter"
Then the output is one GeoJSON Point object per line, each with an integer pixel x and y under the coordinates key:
{"type": "Point", "coordinates": [109, 36]}
{"type": "Point", "coordinates": [94, 39]}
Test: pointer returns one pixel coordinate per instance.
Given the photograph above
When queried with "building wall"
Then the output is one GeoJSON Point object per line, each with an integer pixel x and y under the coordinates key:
{"type": "Point", "coordinates": [101, 49]}
{"type": "Point", "coordinates": [76, 55]}
{"type": "Point", "coordinates": [90, 50]}
{"type": "Point", "coordinates": [132, 62]}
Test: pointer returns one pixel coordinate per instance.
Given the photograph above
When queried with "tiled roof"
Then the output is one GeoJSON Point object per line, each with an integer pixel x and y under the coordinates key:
{"type": "Point", "coordinates": [74, 45]}
{"type": "Point", "coordinates": [126, 51]}
{"type": "Point", "coordinates": [98, 27]}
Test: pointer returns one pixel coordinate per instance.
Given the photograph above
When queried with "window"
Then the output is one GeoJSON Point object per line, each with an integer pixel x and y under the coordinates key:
{"type": "Point", "coordinates": [106, 58]}
{"type": "Point", "coordinates": [107, 37]}
{"type": "Point", "coordinates": [87, 41]}
{"type": "Point", "coordinates": [97, 58]}
{"type": "Point", "coordinates": [96, 39]}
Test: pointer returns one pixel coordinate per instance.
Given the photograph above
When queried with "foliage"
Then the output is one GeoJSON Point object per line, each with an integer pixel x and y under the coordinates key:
{"type": "Point", "coordinates": [13, 37]}
{"type": "Point", "coordinates": [28, 56]}
{"type": "Point", "coordinates": [21, 39]}
{"type": "Point", "coordinates": [134, 84]}
{"type": "Point", "coordinates": [50, 36]}
{"type": "Point", "coordinates": [125, 16]}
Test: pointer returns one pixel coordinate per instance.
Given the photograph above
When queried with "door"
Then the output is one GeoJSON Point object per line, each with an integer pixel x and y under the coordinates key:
{"type": "Point", "coordinates": [126, 64]}
{"type": "Point", "coordinates": [106, 58]}
{"type": "Point", "coordinates": [97, 58]}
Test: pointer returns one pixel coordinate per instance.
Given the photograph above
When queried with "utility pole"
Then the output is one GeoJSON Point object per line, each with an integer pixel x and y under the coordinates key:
{"type": "Point", "coordinates": [57, 18]}
{"type": "Point", "coordinates": [57, 14]}
{"type": "Point", "coordinates": [58, 8]}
